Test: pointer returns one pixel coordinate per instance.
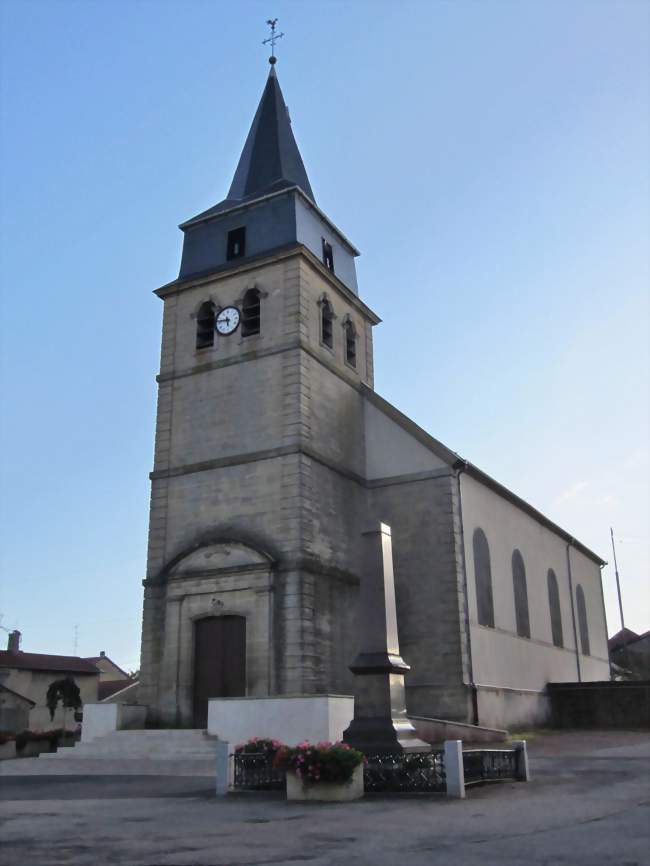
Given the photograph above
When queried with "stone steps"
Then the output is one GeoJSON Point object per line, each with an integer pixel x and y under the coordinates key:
{"type": "Point", "coordinates": [106, 767]}
{"type": "Point", "coordinates": [155, 752]}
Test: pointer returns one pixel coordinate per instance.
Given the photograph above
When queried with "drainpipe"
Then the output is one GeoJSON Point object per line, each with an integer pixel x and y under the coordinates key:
{"type": "Point", "coordinates": [475, 718]}
{"type": "Point", "coordinates": [573, 613]}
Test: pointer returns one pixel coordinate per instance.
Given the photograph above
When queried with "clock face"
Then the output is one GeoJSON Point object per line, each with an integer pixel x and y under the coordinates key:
{"type": "Point", "coordinates": [227, 321]}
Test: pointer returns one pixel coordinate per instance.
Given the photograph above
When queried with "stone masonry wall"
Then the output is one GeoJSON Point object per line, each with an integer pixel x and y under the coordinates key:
{"type": "Point", "coordinates": [429, 592]}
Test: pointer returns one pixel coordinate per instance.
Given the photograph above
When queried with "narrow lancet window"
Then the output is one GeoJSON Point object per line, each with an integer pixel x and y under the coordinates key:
{"type": "Point", "coordinates": [554, 608]}
{"type": "Point", "coordinates": [350, 343]}
{"type": "Point", "coordinates": [205, 326]}
{"type": "Point", "coordinates": [483, 579]}
{"type": "Point", "coordinates": [328, 256]}
{"type": "Point", "coordinates": [583, 625]}
{"type": "Point", "coordinates": [520, 590]}
{"type": "Point", "coordinates": [250, 313]}
{"type": "Point", "coordinates": [327, 321]}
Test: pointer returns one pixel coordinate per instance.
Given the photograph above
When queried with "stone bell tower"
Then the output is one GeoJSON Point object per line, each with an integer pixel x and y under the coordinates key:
{"type": "Point", "coordinates": [256, 501]}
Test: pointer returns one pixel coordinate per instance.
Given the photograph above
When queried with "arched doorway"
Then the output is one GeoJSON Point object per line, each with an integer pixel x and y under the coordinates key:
{"type": "Point", "coordinates": [219, 662]}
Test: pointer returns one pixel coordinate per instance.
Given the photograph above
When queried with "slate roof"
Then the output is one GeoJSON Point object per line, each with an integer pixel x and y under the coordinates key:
{"type": "Point", "coordinates": [270, 160]}
{"type": "Point", "coordinates": [43, 662]}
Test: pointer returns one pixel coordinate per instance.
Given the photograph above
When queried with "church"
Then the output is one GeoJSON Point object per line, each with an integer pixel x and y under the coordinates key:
{"type": "Point", "coordinates": [273, 453]}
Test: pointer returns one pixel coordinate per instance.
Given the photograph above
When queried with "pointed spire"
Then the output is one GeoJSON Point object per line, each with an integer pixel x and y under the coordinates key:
{"type": "Point", "coordinates": [270, 159]}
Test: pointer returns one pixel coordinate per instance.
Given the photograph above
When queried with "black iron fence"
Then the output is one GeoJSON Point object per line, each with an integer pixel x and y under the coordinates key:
{"type": "Point", "coordinates": [254, 771]}
{"type": "Point", "coordinates": [490, 765]}
{"type": "Point", "coordinates": [416, 772]}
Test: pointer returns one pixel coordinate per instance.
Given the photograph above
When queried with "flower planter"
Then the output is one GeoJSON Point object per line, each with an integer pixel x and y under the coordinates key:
{"type": "Point", "coordinates": [326, 792]}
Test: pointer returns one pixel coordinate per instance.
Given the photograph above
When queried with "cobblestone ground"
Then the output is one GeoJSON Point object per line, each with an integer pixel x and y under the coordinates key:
{"type": "Point", "coordinates": [587, 804]}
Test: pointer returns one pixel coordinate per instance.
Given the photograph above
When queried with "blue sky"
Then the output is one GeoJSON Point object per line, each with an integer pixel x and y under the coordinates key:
{"type": "Point", "coordinates": [488, 158]}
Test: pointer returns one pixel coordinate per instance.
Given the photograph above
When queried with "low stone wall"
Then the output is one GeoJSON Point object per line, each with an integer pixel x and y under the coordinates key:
{"type": "Point", "coordinates": [436, 731]}
{"type": "Point", "coordinates": [606, 704]}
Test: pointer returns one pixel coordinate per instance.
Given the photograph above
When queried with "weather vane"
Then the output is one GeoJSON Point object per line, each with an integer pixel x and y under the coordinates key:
{"type": "Point", "coordinates": [273, 38]}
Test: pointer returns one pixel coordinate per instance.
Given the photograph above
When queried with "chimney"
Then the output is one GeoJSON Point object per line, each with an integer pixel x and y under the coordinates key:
{"type": "Point", "coordinates": [13, 644]}
{"type": "Point", "coordinates": [102, 653]}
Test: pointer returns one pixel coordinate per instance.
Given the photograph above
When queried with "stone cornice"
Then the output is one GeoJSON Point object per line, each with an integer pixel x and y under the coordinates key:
{"type": "Point", "coordinates": [254, 262]}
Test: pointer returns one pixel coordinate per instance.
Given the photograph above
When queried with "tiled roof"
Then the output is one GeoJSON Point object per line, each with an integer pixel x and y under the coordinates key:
{"type": "Point", "coordinates": [105, 690]}
{"type": "Point", "coordinates": [621, 638]}
{"type": "Point", "coordinates": [43, 662]}
{"type": "Point", "coordinates": [17, 695]}
{"type": "Point", "coordinates": [95, 659]}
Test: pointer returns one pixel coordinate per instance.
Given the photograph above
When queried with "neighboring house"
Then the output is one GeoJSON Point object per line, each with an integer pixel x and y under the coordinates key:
{"type": "Point", "coordinates": [630, 654]}
{"type": "Point", "coordinates": [113, 680]}
{"type": "Point", "coordinates": [109, 672]}
{"type": "Point", "coordinates": [29, 675]}
{"type": "Point", "coordinates": [14, 710]}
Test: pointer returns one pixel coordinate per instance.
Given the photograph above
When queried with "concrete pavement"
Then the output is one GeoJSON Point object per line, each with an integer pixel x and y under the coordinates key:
{"type": "Point", "coordinates": [587, 805]}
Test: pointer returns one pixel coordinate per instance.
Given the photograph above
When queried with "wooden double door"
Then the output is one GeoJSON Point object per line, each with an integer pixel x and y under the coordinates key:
{"type": "Point", "coordinates": [219, 662]}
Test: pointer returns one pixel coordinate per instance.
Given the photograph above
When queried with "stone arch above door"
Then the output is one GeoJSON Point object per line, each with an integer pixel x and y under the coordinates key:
{"type": "Point", "coordinates": [223, 556]}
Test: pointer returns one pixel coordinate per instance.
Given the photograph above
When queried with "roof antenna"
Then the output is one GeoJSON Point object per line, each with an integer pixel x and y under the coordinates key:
{"type": "Point", "coordinates": [273, 38]}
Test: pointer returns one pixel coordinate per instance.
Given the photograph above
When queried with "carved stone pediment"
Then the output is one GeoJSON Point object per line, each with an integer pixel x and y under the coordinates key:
{"type": "Point", "coordinates": [224, 556]}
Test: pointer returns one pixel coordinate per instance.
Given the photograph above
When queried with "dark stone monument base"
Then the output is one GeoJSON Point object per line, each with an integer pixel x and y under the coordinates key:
{"type": "Point", "coordinates": [382, 736]}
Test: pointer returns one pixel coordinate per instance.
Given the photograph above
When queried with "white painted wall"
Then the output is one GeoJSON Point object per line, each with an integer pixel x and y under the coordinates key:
{"type": "Point", "coordinates": [102, 719]}
{"type": "Point", "coordinates": [289, 719]}
{"type": "Point", "coordinates": [391, 450]}
{"type": "Point", "coordinates": [500, 658]}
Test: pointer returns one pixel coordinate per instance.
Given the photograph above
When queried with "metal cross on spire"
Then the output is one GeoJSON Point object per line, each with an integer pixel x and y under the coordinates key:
{"type": "Point", "coordinates": [273, 38]}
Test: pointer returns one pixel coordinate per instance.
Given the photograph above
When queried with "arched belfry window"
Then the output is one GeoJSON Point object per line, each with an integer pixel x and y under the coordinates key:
{"type": "Point", "coordinates": [326, 323]}
{"type": "Point", "coordinates": [520, 590]}
{"type": "Point", "coordinates": [350, 333]}
{"type": "Point", "coordinates": [583, 625]}
{"type": "Point", "coordinates": [554, 608]}
{"type": "Point", "coordinates": [483, 579]}
{"type": "Point", "coordinates": [205, 325]}
{"type": "Point", "coordinates": [250, 313]}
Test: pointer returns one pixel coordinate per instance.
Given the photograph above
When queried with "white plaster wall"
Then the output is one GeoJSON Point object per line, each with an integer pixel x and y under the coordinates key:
{"type": "Point", "coordinates": [500, 657]}
{"type": "Point", "coordinates": [34, 685]}
{"type": "Point", "coordinates": [390, 450]}
{"type": "Point", "coordinates": [102, 719]}
{"type": "Point", "coordinates": [289, 719]}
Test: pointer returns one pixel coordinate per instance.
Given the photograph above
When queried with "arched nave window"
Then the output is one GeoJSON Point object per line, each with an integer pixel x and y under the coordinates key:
{"type": "Point", "coordinates": [483, 579]}
{"type": "Point", "coordinates": [520, 591]}
{"type": "Point", "coordinates": [583, 625]}
{"type": "Point", "coordinates": [554, 608]}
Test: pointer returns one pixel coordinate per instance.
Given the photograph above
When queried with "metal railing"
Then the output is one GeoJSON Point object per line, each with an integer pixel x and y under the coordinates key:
{"type": "Point", "coordinates": [490, 765]}
{"type": "Point", "coordinates": [254, 771]}
{"type": "Point", "coordinates": [416, 772]}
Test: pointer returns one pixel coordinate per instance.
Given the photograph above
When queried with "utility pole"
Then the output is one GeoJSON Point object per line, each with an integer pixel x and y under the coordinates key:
{"type": "Point", "coordinates": [618, 582]}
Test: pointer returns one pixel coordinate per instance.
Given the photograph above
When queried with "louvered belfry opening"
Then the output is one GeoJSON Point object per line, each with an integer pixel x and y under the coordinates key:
{"type": "Point", "coordinates": [251, 313]}
{"type": "Point", "coordinates": [205, 326]}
